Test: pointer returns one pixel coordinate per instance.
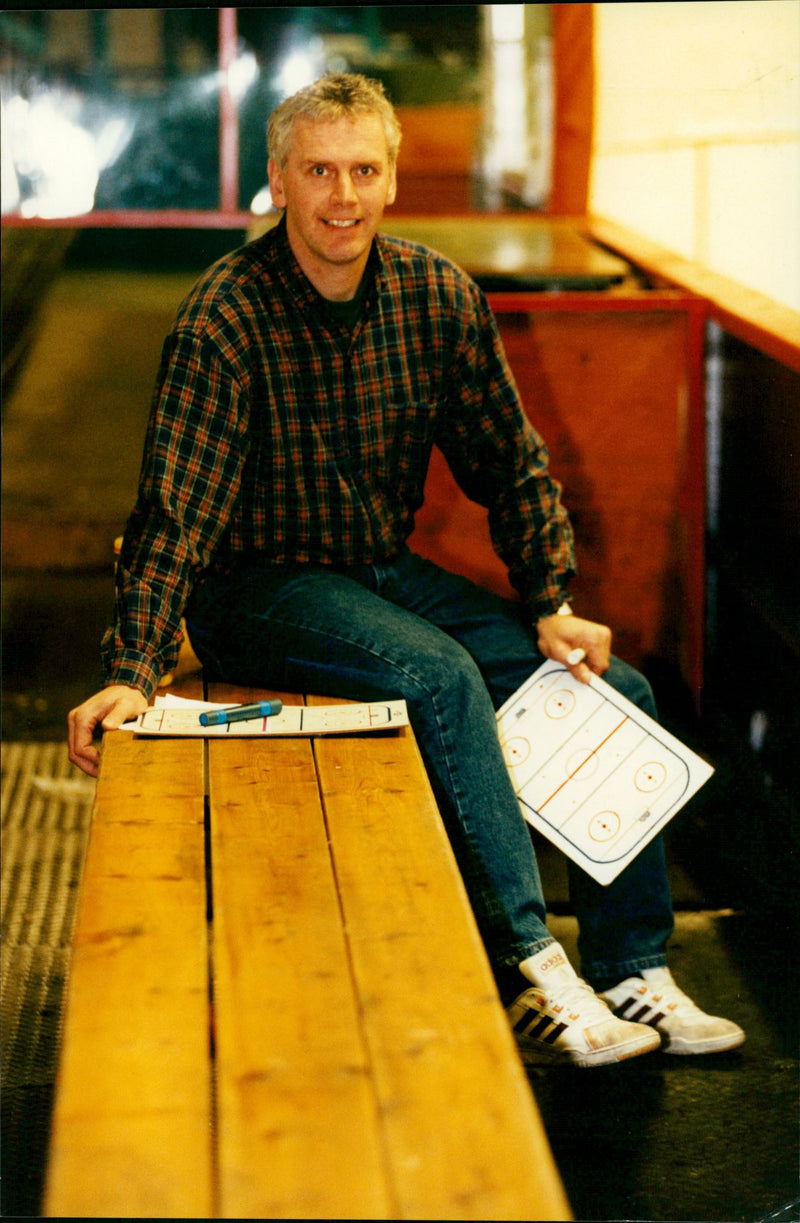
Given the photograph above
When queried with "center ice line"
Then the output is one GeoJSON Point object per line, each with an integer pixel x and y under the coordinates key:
{"type": "Point", "coordinates": [593, 752]}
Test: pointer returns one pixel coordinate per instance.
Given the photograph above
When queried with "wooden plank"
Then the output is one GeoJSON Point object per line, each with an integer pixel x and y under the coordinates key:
{"type": "Point", "coordinates": [464, 1136]}
{"type": "Point", "coordinates": [131, 1131]}
{"type": "Point", "coordinates": [751, 316]}
{"type": "Point", "coordinates": [297, 1126]}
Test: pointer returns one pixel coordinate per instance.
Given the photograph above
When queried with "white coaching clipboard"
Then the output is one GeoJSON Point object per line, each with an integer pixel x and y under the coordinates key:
{"type": "Point", "coordinates": [593, 774]}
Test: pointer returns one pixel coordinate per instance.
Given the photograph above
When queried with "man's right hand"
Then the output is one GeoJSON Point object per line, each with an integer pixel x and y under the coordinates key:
{"type": "Point", "coordinates": [114, 705]}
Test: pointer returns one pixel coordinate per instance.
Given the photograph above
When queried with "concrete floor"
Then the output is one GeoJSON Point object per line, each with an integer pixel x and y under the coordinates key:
{"type": "Point", "coordinates": [654, 1139]}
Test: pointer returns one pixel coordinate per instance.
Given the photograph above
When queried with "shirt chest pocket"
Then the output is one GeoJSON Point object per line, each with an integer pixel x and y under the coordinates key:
{"type": "Point", "coordinates": [403, 436]}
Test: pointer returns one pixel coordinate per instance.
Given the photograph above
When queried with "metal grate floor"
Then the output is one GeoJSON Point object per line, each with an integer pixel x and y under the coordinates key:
{"type": "Point", "coordinates": [46, 811]}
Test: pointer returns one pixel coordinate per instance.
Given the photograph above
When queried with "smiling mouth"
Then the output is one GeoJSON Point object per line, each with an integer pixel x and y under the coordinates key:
{"type": "Point", "coordinates": [342, 224]}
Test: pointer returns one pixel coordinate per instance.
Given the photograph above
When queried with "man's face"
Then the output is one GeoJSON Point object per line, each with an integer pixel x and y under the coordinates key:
{"type": "Point", "coordinates": [335, 185]}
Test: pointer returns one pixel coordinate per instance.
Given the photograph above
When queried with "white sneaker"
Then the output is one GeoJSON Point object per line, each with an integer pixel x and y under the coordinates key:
{"type": "Point", "coordinates": [561, 1019]}
{"type": "Point", "coordinates": [653, 998]}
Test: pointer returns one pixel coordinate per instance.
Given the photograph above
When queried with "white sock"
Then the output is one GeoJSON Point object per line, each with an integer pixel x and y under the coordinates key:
{"type": "Point", "coordinates": [549, 968]}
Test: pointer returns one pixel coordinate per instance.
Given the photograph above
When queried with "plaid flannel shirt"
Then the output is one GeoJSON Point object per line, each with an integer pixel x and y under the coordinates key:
{"type": "Point", "coordinates": [279, 435]}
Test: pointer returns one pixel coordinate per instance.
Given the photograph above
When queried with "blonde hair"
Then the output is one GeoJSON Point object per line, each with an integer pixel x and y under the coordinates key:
{"type": "Point", "coordinates": [338, 96]}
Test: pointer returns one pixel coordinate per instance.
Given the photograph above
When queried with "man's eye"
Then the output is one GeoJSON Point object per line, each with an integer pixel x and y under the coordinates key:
{"type": "Point", "coordinates": [318, 171]}
{"type": "Point", "coordinates": [366, 171]}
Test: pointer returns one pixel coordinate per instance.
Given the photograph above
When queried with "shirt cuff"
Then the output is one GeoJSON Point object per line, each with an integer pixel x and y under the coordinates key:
{"type": "Point", "coordinates": [547, 605]}
{"type": "Point", "coordinates": [136, 674]}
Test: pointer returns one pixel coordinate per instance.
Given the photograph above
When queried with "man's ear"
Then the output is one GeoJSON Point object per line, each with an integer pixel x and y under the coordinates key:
{"type": "Point", "coordinates": [276, 191]}
{"type": "Point", "coordinates": [392, 192]}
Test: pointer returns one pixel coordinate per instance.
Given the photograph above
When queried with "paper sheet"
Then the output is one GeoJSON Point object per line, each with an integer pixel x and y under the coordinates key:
{"type": "Point", "coordinates": [175, 716]}
{"type": "Point", "coordinates": [593, 774]}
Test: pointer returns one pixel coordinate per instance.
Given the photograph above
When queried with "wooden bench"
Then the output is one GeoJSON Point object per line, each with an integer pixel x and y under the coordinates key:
{"type": "Point", "coordinates": [279, 1005]}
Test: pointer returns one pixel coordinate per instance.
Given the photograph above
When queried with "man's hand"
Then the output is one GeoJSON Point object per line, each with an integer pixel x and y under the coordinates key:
{"type": "Point", "coordinates": [114, 705]}
{"type": "Point", "coordinates": [562, 638]}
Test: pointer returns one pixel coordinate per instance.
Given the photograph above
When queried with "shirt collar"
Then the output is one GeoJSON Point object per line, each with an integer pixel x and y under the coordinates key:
{"type": "Point", "coordinates": [288, 270]}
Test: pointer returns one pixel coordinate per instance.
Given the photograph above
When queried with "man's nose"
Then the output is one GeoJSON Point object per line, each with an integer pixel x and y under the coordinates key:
{"type": "Point", "coordinates": [344, 190]}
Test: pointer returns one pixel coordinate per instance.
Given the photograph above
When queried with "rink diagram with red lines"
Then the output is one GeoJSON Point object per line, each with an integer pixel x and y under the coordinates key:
{"type": "Point", "coordinates": [592, 772]}
{"type": "Point", "coordinates": [176, 717]}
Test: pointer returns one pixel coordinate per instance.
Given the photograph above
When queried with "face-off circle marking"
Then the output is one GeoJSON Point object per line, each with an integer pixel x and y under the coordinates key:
{"type": "Point", "coordinates": [604, 826]}
{"type": "Point", "coordinates": [560, 704]}
{"type": "Point", "coordinates": [650, 776]}
{"type": "Point", "coordinates": [516, 750]}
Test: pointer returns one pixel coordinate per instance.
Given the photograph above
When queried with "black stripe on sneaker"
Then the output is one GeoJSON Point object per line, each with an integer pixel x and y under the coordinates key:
{"type": "Point", "coordinates": [539, 1027]}
{"type": "Point", "coordinates": [529, 1019]}
{"type": "Point", "coordinates": [556, 1032]}
{"type": "Point", "coordinates": [639, 1016]}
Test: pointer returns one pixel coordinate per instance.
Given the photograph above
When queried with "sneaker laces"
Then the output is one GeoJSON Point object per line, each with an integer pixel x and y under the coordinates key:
{"type": "Point", "coordinates": [577, 998]}
{"type": "Point", "coordinates": [560, 988]}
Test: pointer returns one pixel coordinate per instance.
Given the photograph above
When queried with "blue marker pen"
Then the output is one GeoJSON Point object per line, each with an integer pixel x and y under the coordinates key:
{"type": "Point", "coordinates": [241, 713]}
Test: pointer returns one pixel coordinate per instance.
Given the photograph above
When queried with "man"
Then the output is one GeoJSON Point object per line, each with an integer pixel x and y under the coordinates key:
{"type": "Point", "coordinates": [301, 389]}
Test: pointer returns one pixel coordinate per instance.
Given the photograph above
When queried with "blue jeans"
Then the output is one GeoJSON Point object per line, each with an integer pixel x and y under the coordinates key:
{"type": "Point", "coordinates": [454, 652]}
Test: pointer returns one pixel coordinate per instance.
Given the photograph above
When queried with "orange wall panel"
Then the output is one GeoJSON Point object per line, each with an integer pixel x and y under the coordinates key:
{"type": "Point", "coordinates": [608, 393]}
